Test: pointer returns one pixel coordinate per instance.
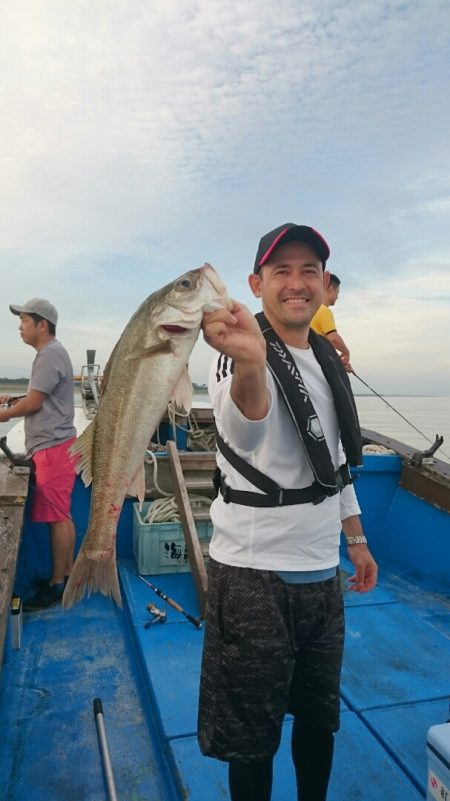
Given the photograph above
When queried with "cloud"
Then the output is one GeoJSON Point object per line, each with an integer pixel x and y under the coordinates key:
{"type": "Point", "coordinates": [142, 139]}
{"type": "Point", "coordinates": [437, 206]}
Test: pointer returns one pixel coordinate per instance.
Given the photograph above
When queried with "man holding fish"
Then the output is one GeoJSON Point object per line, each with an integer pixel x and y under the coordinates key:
{"type": "Point", "coordinates": [287, 431]}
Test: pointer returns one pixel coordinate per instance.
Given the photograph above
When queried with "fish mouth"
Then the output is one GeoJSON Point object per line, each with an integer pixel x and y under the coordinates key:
{"type": "Point", "coordinates": [175, 329]}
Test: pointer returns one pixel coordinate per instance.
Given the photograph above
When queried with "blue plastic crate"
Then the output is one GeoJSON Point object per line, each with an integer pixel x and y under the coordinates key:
{"type": "Point", "coordinates": [161, 547]}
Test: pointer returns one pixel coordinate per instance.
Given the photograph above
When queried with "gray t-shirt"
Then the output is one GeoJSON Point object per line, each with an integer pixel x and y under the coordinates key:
{"type": "Point", "coordinates": [52, 424]}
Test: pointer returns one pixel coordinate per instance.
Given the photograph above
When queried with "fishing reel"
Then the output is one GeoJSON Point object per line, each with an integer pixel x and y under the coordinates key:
{"type": "Point", "coordinates": [158, 615]}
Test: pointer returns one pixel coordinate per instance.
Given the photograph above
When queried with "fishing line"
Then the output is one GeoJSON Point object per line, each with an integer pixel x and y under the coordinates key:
{"type": "Point", "coordinates": [396, 411]}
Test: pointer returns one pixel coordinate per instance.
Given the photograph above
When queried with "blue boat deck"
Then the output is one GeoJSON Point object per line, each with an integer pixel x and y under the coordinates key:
{"type": "Point", "coordinates": [397, 638]}
{"type": "Point", "coordinates": [395, 685]}
{"type": "Point", "coordinates": [48, 741]}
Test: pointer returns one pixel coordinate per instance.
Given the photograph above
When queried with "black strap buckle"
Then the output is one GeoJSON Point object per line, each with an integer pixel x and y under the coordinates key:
{"type": "Point", "coordinates": [224, 490]}
{"type": "Point", "coordinates": [320, 499]}
{"type": "Point", "coordinates": [216, 480]}
{"type": "Point", "coordinates": [315, 493]}
{"type": "Point", "coordinates": [342, 479]}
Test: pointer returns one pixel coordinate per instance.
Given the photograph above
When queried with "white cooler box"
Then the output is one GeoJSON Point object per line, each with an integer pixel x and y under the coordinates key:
{"type": "Point", "coordinates": [438, 754]}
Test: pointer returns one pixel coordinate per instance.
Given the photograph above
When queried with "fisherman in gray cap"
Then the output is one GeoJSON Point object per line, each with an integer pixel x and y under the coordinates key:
{"type": "Point", "coordinates": [48, 409]}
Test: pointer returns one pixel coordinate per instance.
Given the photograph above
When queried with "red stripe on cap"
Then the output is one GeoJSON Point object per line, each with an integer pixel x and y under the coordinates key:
{"type": "Point", "coordinates": [323, 240]}
{"type": "Point", "coordinates": [272, 247]}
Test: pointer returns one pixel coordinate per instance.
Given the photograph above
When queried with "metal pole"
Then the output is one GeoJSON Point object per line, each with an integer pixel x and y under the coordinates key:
{"type": "Point", "coordinates": [106, 759]}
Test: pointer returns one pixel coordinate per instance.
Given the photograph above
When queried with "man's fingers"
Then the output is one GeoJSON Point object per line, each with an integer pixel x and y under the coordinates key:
{"type": "Point", "coordinates": [363, 580]}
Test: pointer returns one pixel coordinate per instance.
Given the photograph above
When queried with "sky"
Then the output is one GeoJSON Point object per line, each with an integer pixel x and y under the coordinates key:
{"type": "Point", "coordinates": [141, 139]}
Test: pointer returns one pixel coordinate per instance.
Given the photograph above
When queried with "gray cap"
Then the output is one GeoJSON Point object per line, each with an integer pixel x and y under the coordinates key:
{"type": "Point", "coordinates": [37, 306]}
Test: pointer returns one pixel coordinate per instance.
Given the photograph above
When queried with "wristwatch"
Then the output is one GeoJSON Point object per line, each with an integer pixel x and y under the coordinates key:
{"type": "Point", "coordinates": [360, 540]}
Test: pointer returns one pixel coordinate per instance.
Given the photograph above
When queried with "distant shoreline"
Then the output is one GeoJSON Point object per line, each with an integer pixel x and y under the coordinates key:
{"type": "Point", "coordinates": [13, 384]}
{"type": "Point", "coordinates": [6, 388]}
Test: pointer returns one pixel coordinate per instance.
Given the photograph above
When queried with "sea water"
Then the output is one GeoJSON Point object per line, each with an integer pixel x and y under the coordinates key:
{"type": "Point", "coordinates": [430, 415]}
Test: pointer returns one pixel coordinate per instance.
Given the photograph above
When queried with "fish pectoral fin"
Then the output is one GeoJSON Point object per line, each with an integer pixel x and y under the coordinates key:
{"type": "Point", "coordinates": [83, 447]}
{"type": "Point", "coordinates": [182, 393]}
{"type": "Point", "coordinates": [136, 487]}
{"type": "Point", "coordinates": [161, 347]}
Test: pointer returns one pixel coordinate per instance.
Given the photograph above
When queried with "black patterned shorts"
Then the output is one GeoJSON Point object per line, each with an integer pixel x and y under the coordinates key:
{"type": "Point", "coordinates": [270, 648]}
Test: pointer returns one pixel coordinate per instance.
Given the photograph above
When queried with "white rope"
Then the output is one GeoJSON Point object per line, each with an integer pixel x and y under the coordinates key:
{"type": "Point", "coordinates": [162, 510]}
{"type": "Point", "coordinates": [201, 439]}
{"type": "Point", "coordinates": [156, 446]}
{"type": "Point", "coordinates": [379, 450]}
{"type": "Point", "coordinates": [165, 510]}
{"type": "Point", "coordinates": [174, 411]}
{"type": "Point", "coordinates": [198, 439]}
{"type": "Point", "coordinates": [151, 458]}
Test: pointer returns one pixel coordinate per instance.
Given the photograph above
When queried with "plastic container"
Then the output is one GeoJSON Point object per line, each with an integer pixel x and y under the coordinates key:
{"type": "Point", "coordinates": [166, 431]}
{"type": "Point", "coordinates": [438, 755]}
{"type": "Point", "coordinates": [13, 637]}
{"type": "Point", "coordinates": [16, 623]}
{"type": "Point", "coordinates": [161, 547]}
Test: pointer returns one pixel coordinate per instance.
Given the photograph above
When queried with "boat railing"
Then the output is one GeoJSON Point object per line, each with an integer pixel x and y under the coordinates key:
{"type": "Point", "coordinates": [90, 379]}
{"type": "Point", "coordinates": [13, 495]}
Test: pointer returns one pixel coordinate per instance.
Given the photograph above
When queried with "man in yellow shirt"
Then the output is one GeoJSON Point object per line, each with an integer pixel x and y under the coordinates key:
{"type": "Point", "coordinates": [323, 322]}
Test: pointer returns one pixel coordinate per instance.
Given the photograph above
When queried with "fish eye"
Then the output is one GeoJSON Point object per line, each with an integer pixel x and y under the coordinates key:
{"type": "Point", "coordinates": [185, 283]}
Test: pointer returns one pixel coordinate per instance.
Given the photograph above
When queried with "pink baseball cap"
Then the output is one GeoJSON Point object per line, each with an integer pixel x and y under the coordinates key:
{"type": "Point", "coordinates": [290, 232]}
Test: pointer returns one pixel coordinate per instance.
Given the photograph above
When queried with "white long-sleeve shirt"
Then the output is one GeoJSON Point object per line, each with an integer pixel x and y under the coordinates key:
{"type": "Point", "coordinates": [295, 538]}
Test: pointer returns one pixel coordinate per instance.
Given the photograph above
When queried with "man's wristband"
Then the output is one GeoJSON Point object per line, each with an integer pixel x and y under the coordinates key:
{"type": "Point", "coordinates": [360, 540]}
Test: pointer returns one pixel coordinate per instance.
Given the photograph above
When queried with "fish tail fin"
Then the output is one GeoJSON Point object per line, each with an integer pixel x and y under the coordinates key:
{"type": "Point", "coordinates": [82, 450]}
{"type": "Point", "coordinates": [93, 571]}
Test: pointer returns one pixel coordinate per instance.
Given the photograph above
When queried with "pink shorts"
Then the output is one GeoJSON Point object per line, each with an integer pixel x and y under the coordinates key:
{"type": "Point", "coordinates": [55, 477]}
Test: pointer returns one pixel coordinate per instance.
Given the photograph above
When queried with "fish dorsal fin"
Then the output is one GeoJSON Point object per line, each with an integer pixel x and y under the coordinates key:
{"type": "Point", "coordinates": [182, 393]}
{"type": "Point", "coordinates": [83, 447]}
{"type": "Point", "coordinates": [153, 350]}
{"type": "Point", "coordinates": [136, 487]}
{"type": "Point", "coordinates": [107, 370]}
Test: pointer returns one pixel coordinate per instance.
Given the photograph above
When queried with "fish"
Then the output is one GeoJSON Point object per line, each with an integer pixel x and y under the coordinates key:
{"type": "Point", "coordinates": [148, 367]}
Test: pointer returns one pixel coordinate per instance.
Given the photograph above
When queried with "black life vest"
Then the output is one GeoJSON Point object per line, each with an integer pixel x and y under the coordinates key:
{"type": "Point", "coordinates": [327, 480]}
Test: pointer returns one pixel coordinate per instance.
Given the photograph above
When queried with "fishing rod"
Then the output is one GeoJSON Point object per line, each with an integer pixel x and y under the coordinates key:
{"type": "Point", "coordinates": [194, 620]}
{"type": "Point", "coordinates": [12, 400]}
{"type": "Point", "coordinates": [395, 410]}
